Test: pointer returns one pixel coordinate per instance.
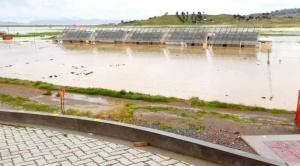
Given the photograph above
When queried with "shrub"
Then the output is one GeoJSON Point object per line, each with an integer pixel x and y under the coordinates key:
{"type": "Point", "coordinates": [195, 101]}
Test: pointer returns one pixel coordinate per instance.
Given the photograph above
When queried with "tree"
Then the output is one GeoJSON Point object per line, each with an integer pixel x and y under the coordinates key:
{"type": "Point", "coordinates": [183, 16]}
{"type": "Point", "coordinates": [187, 15]}
{"type": "Point", "coordinates": [193, 16]}
{"type": "Point", "coordinates": [177, 13]}
{"type": "Point", "coordinates": [122, 21]}
{"type": "Point", "coordinates": [199, 16]}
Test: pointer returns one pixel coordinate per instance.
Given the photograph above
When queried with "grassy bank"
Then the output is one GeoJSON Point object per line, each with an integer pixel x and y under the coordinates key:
{"type": "Point", "coordinates": [278, 34]}
{"type": "Point", "coordinates": [89, 91]}
{"type": "Point", "coordinates": [194, 101]}
{"type": "Point", "coordinates": [27, 104]}
{"type": "Point", "coordinates": [222, 19]}
{"type": "Point", "coordinates": [38, 34]}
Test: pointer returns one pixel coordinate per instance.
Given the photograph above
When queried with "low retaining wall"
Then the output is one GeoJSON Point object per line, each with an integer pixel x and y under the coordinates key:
{"type": "Point", "coordinates": [160, 139]}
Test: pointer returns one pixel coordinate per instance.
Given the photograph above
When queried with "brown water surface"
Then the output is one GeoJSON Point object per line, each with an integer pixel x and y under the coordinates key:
{"type": "Point", "coordinates": [227, 74]}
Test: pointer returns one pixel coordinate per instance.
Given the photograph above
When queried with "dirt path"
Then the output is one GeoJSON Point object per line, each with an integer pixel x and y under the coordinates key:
{"type": "Point", "coordinates": [220, 126]}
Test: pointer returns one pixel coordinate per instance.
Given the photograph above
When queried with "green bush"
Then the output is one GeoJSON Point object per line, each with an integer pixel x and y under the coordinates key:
{"type": "Point", "coordinates": [164, 126]}
{"type": "Point", "coordinates": [195, 101]}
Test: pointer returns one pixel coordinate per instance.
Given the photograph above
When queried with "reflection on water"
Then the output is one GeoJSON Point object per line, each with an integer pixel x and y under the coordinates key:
{"type": "Point", "coordinates": [226, 74]}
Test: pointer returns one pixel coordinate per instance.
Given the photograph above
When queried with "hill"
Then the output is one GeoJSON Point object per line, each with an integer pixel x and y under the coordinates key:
{"type": "Point", "coordinates": [266, 21]}
{"type": "Point", "coordinates": [9, 23]}
{"type": "Point", "coordinates": [286, 11]}
{"type": "Point", "coordinates": [68, 21]}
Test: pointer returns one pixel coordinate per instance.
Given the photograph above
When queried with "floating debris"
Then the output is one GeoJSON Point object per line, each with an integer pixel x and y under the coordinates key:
{"type": "Point", "coordinates": [89, 73]}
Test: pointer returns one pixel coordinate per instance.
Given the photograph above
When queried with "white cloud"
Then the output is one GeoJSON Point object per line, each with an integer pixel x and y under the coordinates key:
{"type": "Point", "coordinates": [27, 10]}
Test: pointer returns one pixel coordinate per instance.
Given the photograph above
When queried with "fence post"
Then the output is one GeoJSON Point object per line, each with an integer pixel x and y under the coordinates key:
{"type": "Point", "coordinates": [298, 111]}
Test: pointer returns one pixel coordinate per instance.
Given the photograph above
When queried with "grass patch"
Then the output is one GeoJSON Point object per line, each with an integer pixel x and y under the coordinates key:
{"type": "Point", "coordinates": [221, 19]}
{"type": "Point", "coordinates": [196, 127]}
{"type": "Point", "coordinates": [27, 104]}
{"type": "Point", "coordinates": [278, 34]}
{"type": "Point", "coordinates": [195, 101]}
{"type": "Point", "coordinates": [37, 34]}
{"type": "Point", "coordinates": [154, 108]}
{"type": "Point", "coordinates": [253, 120]}
{"type": "Point", "coordinates": [125, 115]}
{"type": "Point", "coordinates": [19, 126]}
{"type": "Point", "coordinates": [89, 91]}
{"type": "Point", "coordinates": [218, 104]}
{"type": "Point", "coordinates": [164, 126]}
{"type": "Point", "coordinates": [75, 112]}
{"type": "Point", "coordinates": [230, 117]}
{"type": "Point", "coordinates": [200, 114]}
{"type": "Point", "coordinates": [277, 111]}
{"type": "Point", "coordinates": [189, 115]}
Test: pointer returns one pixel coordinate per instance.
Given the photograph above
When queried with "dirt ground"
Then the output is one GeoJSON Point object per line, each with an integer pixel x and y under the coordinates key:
{"type": "Point", "coordinates": [210, 126]}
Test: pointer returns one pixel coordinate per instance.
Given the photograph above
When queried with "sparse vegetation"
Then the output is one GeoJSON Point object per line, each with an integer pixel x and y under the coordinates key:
{"type": "Point", "coordinates": [154, 108]}
{"type": "Point", "coordinates": [266, 21]}
{"type": "Point", "coordinates": [253, 120]}
{"type": "Point", "coordinates": [197, 127]}
{"type": "Point", "coordinates": [37, 34]}
{"type": "Point", "coordinates": [218, 104]}
{"type": "Point", "coordinates": [230, 117]}
{"type": "Point", "coordinates": [186, 114]}
{"type": "Point", "coordinates": [164, 126]}
{"type": "Point", "coordinates": [125, 115]}
{"type": "Point", "coordinates": [27, 104]}
{"type": "Point", "coordinates": [89, 91]}
{"type": "Point", "coordinates": [194, 101]}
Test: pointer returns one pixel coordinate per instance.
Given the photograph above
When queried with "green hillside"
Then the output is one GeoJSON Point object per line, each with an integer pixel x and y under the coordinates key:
{"type": "Point", "coordinates": [224, 19]}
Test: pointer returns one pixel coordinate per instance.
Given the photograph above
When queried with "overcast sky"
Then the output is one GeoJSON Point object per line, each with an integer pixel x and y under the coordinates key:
{"type": "Point", "coordinates": [27, 10]}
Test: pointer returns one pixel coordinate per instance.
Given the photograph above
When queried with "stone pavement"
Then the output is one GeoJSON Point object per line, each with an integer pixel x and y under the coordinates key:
{"type": "Point", "coordinates": [279, 147]}
{"type": "Point", "coordinates": [33, 146]}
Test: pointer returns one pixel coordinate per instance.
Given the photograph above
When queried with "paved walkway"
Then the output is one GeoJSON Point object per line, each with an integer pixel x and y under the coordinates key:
{"type": "Point", "coordinates": [284, 148]}
{"type": "Point", "coordinates": [33, 146]}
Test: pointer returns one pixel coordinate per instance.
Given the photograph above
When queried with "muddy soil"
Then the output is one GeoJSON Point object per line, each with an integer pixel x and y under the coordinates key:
{"type": "Point", "coordinates": [209, 127]}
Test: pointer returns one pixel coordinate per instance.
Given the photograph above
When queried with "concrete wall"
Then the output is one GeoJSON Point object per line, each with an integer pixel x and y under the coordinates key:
{"type": "Point", "coordinates": [180, 144]}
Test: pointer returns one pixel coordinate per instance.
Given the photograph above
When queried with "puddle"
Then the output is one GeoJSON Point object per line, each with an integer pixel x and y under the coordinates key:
{"type": "Point", "coordinates": [94, 100]}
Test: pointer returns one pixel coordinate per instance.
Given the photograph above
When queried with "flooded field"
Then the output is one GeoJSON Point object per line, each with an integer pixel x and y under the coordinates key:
{"type": "Point", "coordinates": [226, 74]}
{"type": "Point", "coordinates": [23, 30]}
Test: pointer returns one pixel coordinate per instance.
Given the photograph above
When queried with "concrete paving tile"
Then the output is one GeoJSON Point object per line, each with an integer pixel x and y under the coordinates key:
{"type": "Point", "coordinates": [34, 146]}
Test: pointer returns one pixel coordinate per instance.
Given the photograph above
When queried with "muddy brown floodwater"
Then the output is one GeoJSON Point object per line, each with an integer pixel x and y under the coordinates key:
{"type": "Point", "coordinates": [227, 74]}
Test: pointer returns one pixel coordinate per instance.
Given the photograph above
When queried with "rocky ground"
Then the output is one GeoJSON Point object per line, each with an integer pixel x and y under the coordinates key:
{"type": "Point", "coordinates": [220, 126]}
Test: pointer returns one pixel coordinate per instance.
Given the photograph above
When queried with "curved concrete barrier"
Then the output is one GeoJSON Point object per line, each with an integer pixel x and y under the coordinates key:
{"type": "Point", "coordinates": [160, 139]}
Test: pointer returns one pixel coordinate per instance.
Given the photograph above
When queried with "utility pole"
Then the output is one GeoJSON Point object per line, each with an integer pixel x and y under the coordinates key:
{"type": "Point", "coordinates": [268, 56]}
